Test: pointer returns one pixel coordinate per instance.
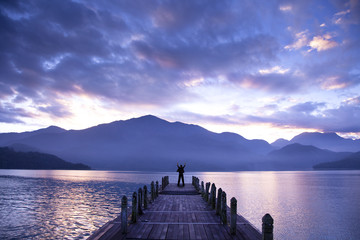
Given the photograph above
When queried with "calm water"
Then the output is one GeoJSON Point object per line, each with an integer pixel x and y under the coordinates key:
{"type": "Point", "coordinates": [73, 204]}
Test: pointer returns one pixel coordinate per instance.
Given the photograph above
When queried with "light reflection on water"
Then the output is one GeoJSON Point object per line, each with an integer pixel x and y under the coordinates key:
{"type": "Point", "coordinates": [72, 204]}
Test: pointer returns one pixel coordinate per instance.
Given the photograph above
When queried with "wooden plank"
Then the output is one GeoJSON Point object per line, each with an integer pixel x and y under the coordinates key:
{"type": "Point", "coordinates": [192, 234]}
{"type": "Point", "coordinates": [171, 233]}
{"type": "Point", "coordinates": [178, 216]}
{"type": "Point", "coordinates": [163, 232]}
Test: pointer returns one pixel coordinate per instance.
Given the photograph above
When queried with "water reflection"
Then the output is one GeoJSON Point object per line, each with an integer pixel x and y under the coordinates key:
{"type": "Point", "coordinates": [314, 205]}
{"type": "Point", "coordinates": [72, 204]}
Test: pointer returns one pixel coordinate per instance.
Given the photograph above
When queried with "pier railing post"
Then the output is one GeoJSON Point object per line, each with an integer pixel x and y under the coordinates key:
{"type": "Point", "coordinates": [207, 191]}
{"type": "Point", "coordinates": [210, 194]}
{"type": "Point", "coordinates": [124, 205]}
{"type": "Point", "coordinates": [140, 201]}
{"type": "Point", "coordinates": [152, 185]}
{"type": "Point", "coordinates": [223, 208]}
{"type": "Point", "coordinates": [218, 202]}
{"type": "Point", "coordinates": [267, 227]}
{"type": "Point", "coordinates": [145, 197]}
{"type": "Point", "coordinates": [197, 187]}
{"type": "Point", "coordinates": [202, 189]}
{"type": "Point", "coordinates": [233, 215]}
{"type": "Point", "coordinates": [134, 212]}
{"type": "Point", "coordinates": [213, 196]}
{"type": "Point", "coordinates": [157, 189]}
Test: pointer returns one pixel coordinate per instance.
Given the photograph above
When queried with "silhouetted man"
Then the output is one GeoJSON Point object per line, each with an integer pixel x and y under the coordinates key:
{"type": "Point", "coordinates": [181, 173]}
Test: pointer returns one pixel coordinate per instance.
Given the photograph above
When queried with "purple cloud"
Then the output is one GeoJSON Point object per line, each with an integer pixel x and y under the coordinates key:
{"type": "Point", "coordinates": [345, 118]}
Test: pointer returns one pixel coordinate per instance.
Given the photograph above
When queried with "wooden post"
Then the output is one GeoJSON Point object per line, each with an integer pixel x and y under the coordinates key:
{"type": "Point", "coordinates": [213, 196]}
{"type": "Point", "coordinates": [202, 189]}
{"type": "Point", "coordinates": [233, 215]}
{"type": "Point", "coordinates": [218, 202]}
{"type": "Point", "coordinates": [166, 181]}
{"type": "Point", "coordinates": [223, 208]}
{"type": "Point", "coordinates": [152, 186]}
{"type": "Point", "coordinates": [134, 212]}
{"type": "Point", "coordinates": [267, 227]}
{"type": "Point", "coordinates": [157, 189]}
{"type": "Point", "coordinates": [145, 197]}
{"type": "Point", "coordinates": [140, 201]}
{"type": "Point", "coordinates": [124, 204]}
{"type": "Point", "coordinates": [207, 191]}
{"type": "Point", "coordinates": [211, 193]}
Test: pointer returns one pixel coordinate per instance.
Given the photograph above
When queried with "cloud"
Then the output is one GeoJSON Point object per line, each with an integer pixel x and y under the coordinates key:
{"type": "Point", "coordinates": [160, 54]}
{"type": "Point", "coordinates": [9, 114]}
{"type": "Point", "coordinates": [301, 40]}
{"type": "Point", "coordinates": [322, 43]}
{"type": "Point", "coordinates": [313, 115]}
{"type": "Point", "coordinates": [126, 52]}
{"type": "Point", "coordinates": [269, 80]}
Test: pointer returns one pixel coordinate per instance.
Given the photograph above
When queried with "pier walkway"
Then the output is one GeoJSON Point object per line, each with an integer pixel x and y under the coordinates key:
{"type": "Point", "coordinates": [178, 213]}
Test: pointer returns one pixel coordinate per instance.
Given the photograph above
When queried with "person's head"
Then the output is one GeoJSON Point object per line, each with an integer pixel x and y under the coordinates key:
{"type": "Point", "coordinates": [180, 165]}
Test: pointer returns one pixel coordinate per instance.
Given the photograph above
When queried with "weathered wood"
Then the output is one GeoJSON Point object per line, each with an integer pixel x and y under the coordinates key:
{"type": "Point", "coordinates": [213, 196]}
{"type": "Point", "coordinates": [218, 202]}
{"type": "Point", "coordinates": [233, 215]}
{"type": "Point", "coordinates": [124, 214]}
{"type": "Point", "coordinates": [145, 197]}
{"type": "Point", "coordinates": [157, 189]}
{"type": "Point", "coordinates": [152, 186]}
{"type": "Point", "coordinates": [134, 212]}
{"type": "Point", "coordinates": [223, 208]}
{"type": "Point", "coordinates": [202, 189]}
{"type": "Point", "coordinates": [140, 201]}
{"type": "Point", "coordinates": [207, 191]}
{"type": "Point", "coordinates": [267, 227]}
{"type": "Point", "coordinates": [178, 216]}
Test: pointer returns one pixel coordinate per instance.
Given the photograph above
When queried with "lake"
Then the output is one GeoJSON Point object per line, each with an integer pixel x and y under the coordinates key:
{"type": "Point", "coordinates": [63, 204]}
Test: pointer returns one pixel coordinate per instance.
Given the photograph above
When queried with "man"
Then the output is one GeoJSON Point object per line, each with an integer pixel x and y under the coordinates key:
{"type": "Point", "coordinates": [181, 173]}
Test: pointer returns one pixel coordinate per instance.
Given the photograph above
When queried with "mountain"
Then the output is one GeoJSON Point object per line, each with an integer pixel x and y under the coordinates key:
{"type": "Point", "coordinates": [10, 159]}
{"type": "Point", "coordinates": [330, 141]}
{"type": "Point", "coordinates": [147, 143]}
{"type": "Point", "coordinates": [280, 143]}
{"type": "Point", "coordinates": [18, 147]}
{"type": "Point", "coordinates": [13, 137]}
{"type": "Point", "coordinates": [351, 162]}
{"type": "Point", "coordinates": [300, 157]}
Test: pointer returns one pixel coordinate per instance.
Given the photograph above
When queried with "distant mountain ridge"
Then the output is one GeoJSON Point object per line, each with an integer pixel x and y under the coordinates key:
{"type": "Point", "coordinates": [297, 156]}
{"type": "Point", "coordinates": [150, 143]}
{"type": "Point", "coordinates": [10, 159]}
{"type": "Point", "coordinates": [351, 162]}
{"type": "Point", "coordinates": [330, 141]}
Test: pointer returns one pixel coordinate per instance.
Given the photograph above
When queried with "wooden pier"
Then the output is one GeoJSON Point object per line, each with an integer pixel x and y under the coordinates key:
{"type": "Point", "coordinates": [189, 212]}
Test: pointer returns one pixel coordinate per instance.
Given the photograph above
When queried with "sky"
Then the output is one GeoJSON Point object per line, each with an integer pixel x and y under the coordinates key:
{"type": "Point", "coordinates": [262, 69]}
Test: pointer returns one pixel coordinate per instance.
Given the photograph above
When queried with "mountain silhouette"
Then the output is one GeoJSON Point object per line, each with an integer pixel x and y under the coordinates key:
{"type": "Point", "coordinates": [280, 143]}
{"type": "Point", "coordinates": [148, 143]}
{"type": "Point", "coordinates": [301, 157]}
{"type": "Point", "coordinates": [330, 141]}
{"type": "Point", "coordinates": [351, 162]}
{"type": "Point", "coordinates": [153, 144]}
{"type": "Point", "coordinates": [10, 159]}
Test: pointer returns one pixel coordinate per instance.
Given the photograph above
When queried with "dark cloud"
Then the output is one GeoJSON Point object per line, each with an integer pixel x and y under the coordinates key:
{"type": "Point", "coordinates": [273, 82]}
{"type": "Point", "coordinates": [344, 119]}
{"type": "Point", "coordinates": [8, 114]}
